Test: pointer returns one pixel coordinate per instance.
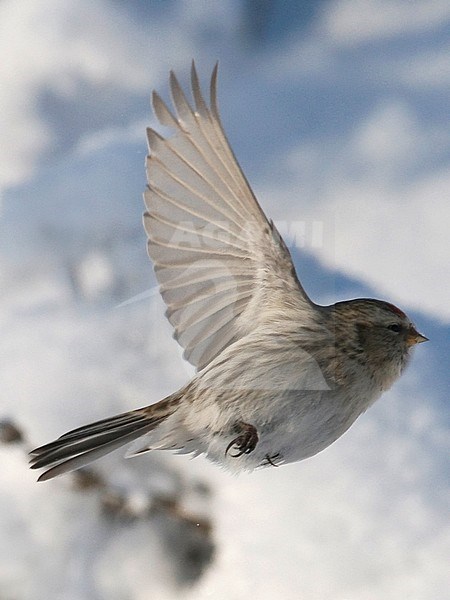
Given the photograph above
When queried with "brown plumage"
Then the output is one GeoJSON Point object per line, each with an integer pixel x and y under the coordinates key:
{"type": "Point", "coordinates": [280, 378]}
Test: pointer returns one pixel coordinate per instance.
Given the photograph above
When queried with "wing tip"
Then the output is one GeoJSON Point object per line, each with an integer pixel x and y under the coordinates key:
{"type": "Point", "coordinates": [162, 112]}
{"type": "Point", "coordinates": [213, 91]}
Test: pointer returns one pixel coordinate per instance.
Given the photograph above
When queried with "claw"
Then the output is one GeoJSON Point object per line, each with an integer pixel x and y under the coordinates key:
{"type": "Point", "coordinates": [245, 442]}
{"type": "Point", "coordinates": [270, 459]}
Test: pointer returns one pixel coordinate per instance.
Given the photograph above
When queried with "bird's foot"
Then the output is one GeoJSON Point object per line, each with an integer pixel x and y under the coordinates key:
{"type": "Point", "coordinates": [245, 442]}
{"type": "Point", "coordinates": [271, 460]}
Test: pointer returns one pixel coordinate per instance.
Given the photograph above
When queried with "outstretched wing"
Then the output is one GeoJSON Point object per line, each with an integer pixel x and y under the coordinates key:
{"type": "Point", "coordinates": [222, 266]}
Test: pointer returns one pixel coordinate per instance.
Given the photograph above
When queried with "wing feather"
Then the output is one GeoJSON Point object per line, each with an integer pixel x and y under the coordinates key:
{"type": "Point", "coordinates": [223, 268]}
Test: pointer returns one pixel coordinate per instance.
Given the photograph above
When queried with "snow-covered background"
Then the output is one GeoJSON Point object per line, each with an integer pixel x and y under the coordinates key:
{"type": "Point", "coordinates": [338, 111]}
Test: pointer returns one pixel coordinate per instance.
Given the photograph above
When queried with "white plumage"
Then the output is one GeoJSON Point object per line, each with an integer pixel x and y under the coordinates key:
{"type": "Point", "coordinates": [220, 263]}
{"type": "Point", "coordinates": [280, 378]}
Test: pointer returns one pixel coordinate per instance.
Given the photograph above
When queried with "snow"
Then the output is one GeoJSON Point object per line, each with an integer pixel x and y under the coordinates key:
{"type": "Point", "coordinates": [342, 127]}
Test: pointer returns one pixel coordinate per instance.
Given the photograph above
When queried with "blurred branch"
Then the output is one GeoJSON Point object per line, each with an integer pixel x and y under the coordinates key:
{"type": "Point", "coordinates": [186, 537]}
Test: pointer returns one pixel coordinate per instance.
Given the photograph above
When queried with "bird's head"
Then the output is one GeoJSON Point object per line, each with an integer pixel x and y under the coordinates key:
{"type": "Point", "coordinates": [377, 334]}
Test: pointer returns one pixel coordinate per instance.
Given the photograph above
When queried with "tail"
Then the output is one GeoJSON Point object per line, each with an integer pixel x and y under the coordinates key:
{"type": "Point", "coordinates": [81, 446]}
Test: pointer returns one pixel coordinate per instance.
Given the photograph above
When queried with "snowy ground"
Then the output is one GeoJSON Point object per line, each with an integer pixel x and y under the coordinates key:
{"type": "Point", "coordinates": [340, 120]}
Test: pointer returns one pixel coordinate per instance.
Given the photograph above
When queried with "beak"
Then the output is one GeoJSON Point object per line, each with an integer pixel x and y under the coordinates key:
{"type": "Point", "coordinates": [414, 337]}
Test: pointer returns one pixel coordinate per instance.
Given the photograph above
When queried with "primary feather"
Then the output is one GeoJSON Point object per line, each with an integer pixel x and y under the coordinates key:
{"type": "Point", "coordinates": [280, 378]}
{"type": "Point", "coordinates": [220, 263]}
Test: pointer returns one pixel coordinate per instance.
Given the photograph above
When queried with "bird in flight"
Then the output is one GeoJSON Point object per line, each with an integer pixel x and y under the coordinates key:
{"type": "Point", "coordinates": [279, 378]}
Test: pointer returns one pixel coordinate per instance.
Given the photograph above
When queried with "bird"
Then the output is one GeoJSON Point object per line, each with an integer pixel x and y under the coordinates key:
{"type": "Point", "coordinates": [278, 377]}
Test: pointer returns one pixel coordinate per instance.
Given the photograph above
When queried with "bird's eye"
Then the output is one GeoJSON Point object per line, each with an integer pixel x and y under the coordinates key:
{"type": "Point", "coordinates": [395, 327]}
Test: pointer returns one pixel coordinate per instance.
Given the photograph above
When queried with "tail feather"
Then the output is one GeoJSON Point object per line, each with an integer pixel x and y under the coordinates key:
{"type": "Point", "coordinates": [113, 425]}
{"type": "Point", "coordinates": [83, 445]}
{"type": "Point", "coordinates": [81, 460]}
{"type": "Point", "coordinates": [67, 449]}
{"type": "Point", "coordinates": [126, 418]}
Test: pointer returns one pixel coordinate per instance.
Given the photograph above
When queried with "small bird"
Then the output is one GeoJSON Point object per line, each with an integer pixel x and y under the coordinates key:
{"type": "Point", "coordinates": [279, 378]}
